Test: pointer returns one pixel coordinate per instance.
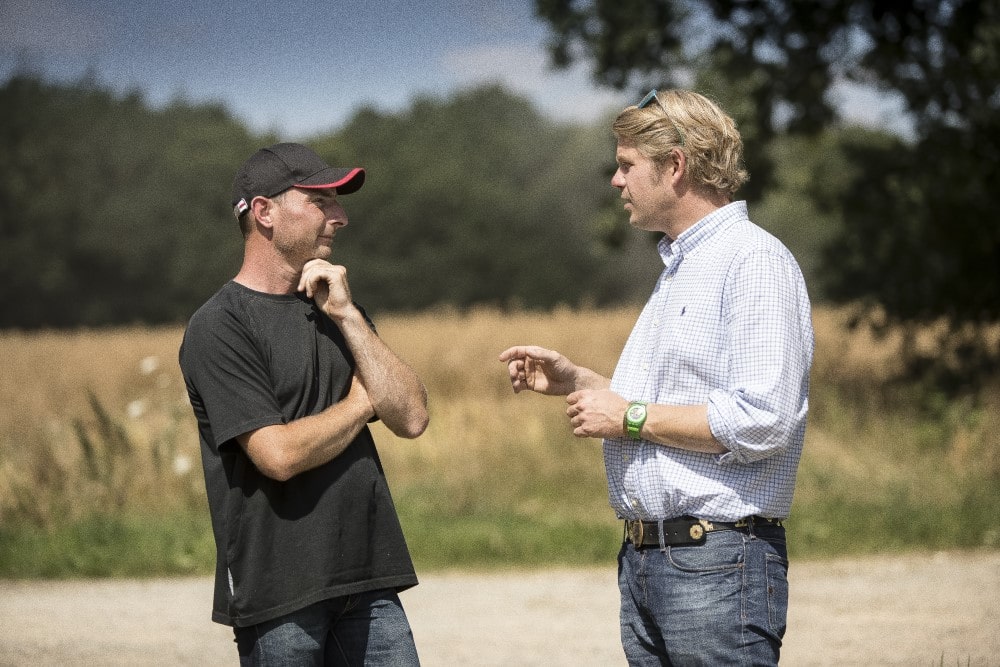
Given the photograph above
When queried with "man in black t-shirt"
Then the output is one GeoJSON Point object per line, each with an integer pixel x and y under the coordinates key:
{"type": "Point", "coordinates": [284, 372]}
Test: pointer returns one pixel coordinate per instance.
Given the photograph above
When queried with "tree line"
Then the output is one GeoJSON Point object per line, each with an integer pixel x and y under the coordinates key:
{"type": "Point", "coordinates": [113, 212]}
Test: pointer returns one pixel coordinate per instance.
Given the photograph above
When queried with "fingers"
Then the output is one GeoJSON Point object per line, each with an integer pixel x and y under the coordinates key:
{"type": "Point", "coordinates": [518, 375]}
{"type": "Point", "coordinates": [316, 270]}
{"type": "Point", "coordinates": [595, 414]}
{"type": "Point", "coordinates": [307, 278]}
{"type": "Point", "coordinates": [516, 352]}
{"type": "Point", "coordinates": [326, 284]}
{"type": "Point", "coordinates": [528, 351]}
{"type": "Point", "coordinates": [574, 406]}
{"type": "Point", "coordinates": [523, 363]}
{"type": "Point", "coordinates": [516, 358]}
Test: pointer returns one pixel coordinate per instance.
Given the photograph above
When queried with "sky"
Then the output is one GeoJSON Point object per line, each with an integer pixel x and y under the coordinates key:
{"type": "Point", "coordinates": [301, 68]}
{"type": "Point", "coordinates": [294, 67]}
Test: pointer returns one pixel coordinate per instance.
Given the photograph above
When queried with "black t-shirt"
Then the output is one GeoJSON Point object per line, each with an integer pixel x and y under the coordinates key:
{"type": "Point", "coordinates": [251, 360]}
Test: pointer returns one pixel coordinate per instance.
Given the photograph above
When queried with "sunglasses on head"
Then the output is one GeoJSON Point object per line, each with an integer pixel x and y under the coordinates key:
{"type": "Point", "coordinates": [652, 96]}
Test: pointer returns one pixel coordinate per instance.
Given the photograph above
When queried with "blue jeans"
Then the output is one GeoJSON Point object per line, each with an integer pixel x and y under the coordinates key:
{"type": "Point", "coordinates": [364, 629]}
{"type": "Point", "coordinates": [721, 603]}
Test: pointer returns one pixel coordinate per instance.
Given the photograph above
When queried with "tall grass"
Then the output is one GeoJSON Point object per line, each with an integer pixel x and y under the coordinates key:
{"type": "Point", "coordinates": [99, 467]}
{"type": "Point", "coordinates": [100, 470]}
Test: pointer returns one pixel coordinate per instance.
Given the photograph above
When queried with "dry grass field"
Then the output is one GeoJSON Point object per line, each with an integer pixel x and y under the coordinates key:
{"type": "Point", "coordinates": [56, 379]}
{"type": "Point", "coordinates": [98, 422]}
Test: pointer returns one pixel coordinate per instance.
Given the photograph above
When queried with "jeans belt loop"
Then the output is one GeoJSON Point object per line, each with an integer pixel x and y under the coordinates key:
{"type": "Point", "coordinates": [663, 543]}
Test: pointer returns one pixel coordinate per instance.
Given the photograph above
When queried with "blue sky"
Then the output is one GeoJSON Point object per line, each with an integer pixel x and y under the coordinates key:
{"type": "Point", "coordinates": [296, 67]}
{"type": "Point", "coordinates": [301, 68]}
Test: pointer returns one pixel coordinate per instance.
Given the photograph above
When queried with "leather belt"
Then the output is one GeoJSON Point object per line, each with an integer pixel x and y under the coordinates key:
{"type": "Point", "coordinates": [686, 530]}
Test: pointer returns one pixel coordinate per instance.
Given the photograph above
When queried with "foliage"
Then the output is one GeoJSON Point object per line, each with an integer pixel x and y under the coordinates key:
{"type": "Point", "coordinates": [789, 208]}
{"type": "Point", "coordinates": [110, 212]}
{"type": "Point", "coordinates": [475, 200]}
{"type": "Point", "coordinates": [915, 244]}
{"type": "Point", "coordinates": [114, 213]}
{"type": "Point", "coordinates": [916, 248]}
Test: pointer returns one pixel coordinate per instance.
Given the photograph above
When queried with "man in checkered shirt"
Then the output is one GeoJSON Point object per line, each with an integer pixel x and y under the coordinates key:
{"type": "Point", "coordinates": [704, 418]}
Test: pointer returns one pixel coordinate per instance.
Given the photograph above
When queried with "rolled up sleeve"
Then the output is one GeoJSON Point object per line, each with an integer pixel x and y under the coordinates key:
{"type": "Point", "coordinates": [761, 411]}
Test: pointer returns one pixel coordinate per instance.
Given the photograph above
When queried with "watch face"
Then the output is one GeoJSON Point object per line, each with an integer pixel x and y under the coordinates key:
{"type": "Point", "coordinates": [636, 412]}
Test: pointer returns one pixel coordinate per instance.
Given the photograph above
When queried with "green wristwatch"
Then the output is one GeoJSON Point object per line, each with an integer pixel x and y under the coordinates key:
{"type": "Point", "coordinates": [635, 417]}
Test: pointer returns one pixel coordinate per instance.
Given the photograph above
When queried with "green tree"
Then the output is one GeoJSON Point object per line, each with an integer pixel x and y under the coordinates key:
{"type": "Point", "coordinates": [111, 212]}
{"type": "Point", "coordinates": [916, 244]}
{"type": "Point", "coordinates": [477, 199]}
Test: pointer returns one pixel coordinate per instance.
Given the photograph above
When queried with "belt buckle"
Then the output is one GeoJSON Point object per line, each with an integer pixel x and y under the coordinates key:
{"type": "Point", "coordinates": [698, 530]}
{"type": "Point", "coordinates": [636, 532]}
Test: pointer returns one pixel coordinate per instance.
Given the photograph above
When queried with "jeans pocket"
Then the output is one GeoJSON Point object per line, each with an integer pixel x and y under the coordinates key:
{"type": "Point", "coordinates": [721, 551]}
{"type": "Point", "coordinates": [777, 592]}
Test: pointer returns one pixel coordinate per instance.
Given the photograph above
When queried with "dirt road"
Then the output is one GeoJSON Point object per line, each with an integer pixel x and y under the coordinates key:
{"type": "Point", "coordinates": [940, 609]}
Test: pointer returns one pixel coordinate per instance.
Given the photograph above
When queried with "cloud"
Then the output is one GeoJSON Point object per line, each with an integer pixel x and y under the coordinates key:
{"type": "Point", "coordinates": [525, 69]}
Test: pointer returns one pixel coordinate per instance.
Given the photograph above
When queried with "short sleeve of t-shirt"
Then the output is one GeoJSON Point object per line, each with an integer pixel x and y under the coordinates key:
{"type": "Point", "coordinates": [227, 375]}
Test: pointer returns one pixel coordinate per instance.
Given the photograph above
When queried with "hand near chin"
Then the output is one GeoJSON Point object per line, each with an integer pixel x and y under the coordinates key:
{"type": "Point", "coordinates": [326, 284]}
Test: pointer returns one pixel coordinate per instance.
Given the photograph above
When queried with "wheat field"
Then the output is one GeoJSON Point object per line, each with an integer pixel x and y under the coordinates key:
{"type": "Point", "coordinates": [98, 421]}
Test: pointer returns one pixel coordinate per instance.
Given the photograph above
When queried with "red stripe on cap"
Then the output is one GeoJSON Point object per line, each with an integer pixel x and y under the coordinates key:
{"type": "Point", "coordinates": [346, 179]}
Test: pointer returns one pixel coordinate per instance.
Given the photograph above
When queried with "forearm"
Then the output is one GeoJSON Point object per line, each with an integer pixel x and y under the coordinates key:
{"type": "Point", "coordinates": [588, 379]}
{"type": "Point", "coordinates": [681, 426]}
{"type": "Point", "coordinates": [282, 451]}
{"type": "Point", "coordinates": [395, 390]}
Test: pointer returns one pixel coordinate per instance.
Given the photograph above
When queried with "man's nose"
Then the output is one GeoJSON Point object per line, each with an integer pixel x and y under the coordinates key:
{"type": "Point", "coordinates": [335, 213]}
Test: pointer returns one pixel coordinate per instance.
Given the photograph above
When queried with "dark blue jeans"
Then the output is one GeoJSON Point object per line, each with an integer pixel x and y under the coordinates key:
{"type": "Point", "coordinates": [364, 629]}
{"type": "Point", "coordinates": [721, 603]}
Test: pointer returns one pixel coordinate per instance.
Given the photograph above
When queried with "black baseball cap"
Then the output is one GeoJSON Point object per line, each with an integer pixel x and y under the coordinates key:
{"type": "Point", "coordinates": [270, 171]}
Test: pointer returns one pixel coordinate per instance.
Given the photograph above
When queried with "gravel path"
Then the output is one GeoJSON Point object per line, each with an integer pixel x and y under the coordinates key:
{"type": "Point", "coordinates": [935, 609]}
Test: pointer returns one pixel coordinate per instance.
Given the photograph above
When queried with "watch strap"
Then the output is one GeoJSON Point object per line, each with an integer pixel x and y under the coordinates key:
{"type": "Point", "coordinates": [633, 427]}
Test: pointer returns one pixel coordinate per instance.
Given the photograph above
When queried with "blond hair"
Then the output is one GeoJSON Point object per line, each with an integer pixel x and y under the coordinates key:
{"type": "Point", "coordinates": [685, 120]}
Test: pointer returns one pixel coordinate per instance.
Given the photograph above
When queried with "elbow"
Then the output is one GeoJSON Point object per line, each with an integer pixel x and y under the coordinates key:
{"type": "Point", "coordinates": [409, 424]}
{"type": "Point", "coordinates": [282, 474]}
{"type": "Point", "coordinates": [411, 421]}
{"type": "Point", "coordinates": [753, 446]}
{"type": "Point", "coordinates": [415, 425]}
{"type": "Point", "coordinates": [277, 469]}
{"type": "Point", "coordinates": [276, 463]}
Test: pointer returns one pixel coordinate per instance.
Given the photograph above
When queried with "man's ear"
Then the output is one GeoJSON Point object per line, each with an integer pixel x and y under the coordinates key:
{"type": "Point", "coordinates": [262, 209]}
{"type": "Point", "coordinates": [676, 165]}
